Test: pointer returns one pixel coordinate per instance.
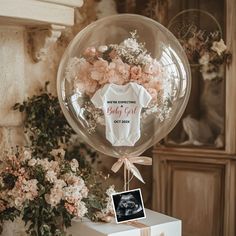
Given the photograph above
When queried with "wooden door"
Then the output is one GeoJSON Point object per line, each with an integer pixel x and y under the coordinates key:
{"type": "Point", "coordinates": [196, 190]}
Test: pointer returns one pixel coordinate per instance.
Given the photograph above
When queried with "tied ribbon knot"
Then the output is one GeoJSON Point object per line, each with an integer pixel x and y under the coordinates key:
{"type": "Point", "coordinates": [129, 161]}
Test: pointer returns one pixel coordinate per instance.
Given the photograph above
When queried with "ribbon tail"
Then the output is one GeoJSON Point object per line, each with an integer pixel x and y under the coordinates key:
{"type": "Point", "coordinates": [134, 170]}
{"type": "Point", "coordinates": [142, 160]}
{"type": "Point", "coordinates": [117, 165]}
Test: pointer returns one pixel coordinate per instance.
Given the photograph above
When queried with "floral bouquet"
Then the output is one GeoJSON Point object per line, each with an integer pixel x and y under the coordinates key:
{"type": "Point", "coordinates": [119, 64]}
{"type": "Point", "coordinates": [211, 54]}
{"type": "Point", "coordinates": [48, 193]}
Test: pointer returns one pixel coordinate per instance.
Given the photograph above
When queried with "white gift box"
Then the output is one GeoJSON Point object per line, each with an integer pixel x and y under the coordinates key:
{"type": "Point", "coordinates": [155, 224]}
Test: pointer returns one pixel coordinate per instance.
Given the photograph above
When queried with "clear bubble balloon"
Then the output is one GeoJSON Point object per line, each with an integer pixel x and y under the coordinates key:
{"type": "Point", "coordinates": [124, 50]}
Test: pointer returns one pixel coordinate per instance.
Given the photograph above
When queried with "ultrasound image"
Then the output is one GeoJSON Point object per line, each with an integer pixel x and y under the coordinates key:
{"type": "Point", "coordinates": [128, 206]}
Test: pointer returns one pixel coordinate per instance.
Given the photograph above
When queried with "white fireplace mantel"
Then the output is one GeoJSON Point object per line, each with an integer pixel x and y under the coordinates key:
{"type": "Point", "coordinates": [38, 12]}
{"type": "Point", "coordinates": [28, 29]}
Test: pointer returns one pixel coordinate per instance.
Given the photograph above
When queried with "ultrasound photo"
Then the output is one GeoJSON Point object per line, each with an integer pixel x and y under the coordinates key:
{"type": "Point", "coordinates": [128, 205]}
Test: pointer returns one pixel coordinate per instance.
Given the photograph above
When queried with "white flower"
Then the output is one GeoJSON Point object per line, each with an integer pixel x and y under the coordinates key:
{"type": "Point", "coordinates": [193, 41]}
{"type": "Point", "coordinates": [54, 197]}
{"type": "Point", "coordinates": [144, 58]}
{"type": "Point", "coordinates": [102, 48]}
{"type": "Point", "coordinates": [74, 180]}
{"type": "Point", "coordinates": [22, 191]}
{"type": "Point", "coordinates": [81, 209]}
{"type": "Point", "coordinates": [131, 45]}
{"type": "Point", "coordinates": [56, 193]}
{"type": "Point", "coordinates": [207, 73]}
{"type": "Point", "coordinates": [72, 194]}
{"type": "Point", "coordinates": [204, 60]}
{"type": "Point", "coordinates": [110, 190]}
{"type": "Point", "coordinates": [51, 176]}
{"type": "Point", "coordinates": [18, 202]}
{"type": "Point", "coordinates": [32, 162]}
{"type": "Point", "coordinates": [100, 120]}
{"type": "Point", "coordinates": [44, 163]}
{"type": "Point", "coordinates": [48, 165]}
{"type": "Point", "coordinates": [59, 183]}
{"type": "Point", "coordinates": [74, 165]}
{"type": "Point", "coordinates": [26, 155]}
{"type": "Point", "coordinates": [58, 152]}
{"type": "Point", "coordinates": [109, 206]}
{"type": "Point", "coordinates": [30, 189]}
{"type": "Point", "coordinates": [84, 192]}
{"type": "Point", "coordinates": [72, 68]}
{"type": "Point", "coordinates": [219, 47]}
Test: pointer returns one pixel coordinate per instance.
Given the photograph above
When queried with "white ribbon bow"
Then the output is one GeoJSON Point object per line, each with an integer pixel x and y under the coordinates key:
{"type": "Point", "coordinates": [129, 162]}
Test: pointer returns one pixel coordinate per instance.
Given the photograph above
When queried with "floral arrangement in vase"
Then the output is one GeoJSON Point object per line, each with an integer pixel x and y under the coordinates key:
{"type": "Point", "coordinates": [120, 64]}
{"type": "Point", "coordinates": [51, 181]}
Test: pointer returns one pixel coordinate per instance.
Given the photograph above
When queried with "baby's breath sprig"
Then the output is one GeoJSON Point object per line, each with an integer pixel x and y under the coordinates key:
{"type": "Point", "coordinates": [131, 51]}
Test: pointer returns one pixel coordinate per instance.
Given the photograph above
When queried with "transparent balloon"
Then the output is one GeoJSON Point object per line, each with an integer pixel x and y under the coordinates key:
{"type": "Point", "coordinates": [104, 35]}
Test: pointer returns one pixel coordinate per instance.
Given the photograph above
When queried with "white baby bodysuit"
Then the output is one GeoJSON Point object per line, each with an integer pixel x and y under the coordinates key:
{"type": "Point", "coordinates": [122, 105]}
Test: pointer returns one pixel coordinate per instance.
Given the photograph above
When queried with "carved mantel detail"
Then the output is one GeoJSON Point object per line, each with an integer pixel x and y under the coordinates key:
{"type": "Point", "coordinates": [41, 39]}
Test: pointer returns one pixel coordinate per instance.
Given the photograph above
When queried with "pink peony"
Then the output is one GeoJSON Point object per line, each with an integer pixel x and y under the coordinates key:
{"type": "Point", "coordinates": [99, 69]}
{"type": "Point", "coordinates": [70, 208]}
{"type": "Point", "coordinates": [135, 73]}
{"type": "Point", "coordinates": [123, 69]}
{"type": "Point", "coordinates": [113, 77]}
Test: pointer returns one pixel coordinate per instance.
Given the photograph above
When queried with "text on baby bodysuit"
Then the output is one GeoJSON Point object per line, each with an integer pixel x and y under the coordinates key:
{"type": "Point", "coordinates": [122, 105]}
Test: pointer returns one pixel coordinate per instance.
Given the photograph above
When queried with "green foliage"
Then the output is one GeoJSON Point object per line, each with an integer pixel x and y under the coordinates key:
{"type": "Point", "coordinates": [44, 122]}
{"type": "Point", "coordinates": [8, 214]}
{"type": "Point", "coordinates": [45, 220]}
{"type": "Point", "coordinates": [47, 129]}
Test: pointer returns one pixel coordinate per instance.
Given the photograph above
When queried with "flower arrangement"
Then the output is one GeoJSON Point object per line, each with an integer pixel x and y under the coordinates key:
{"type": "Point", "coordinates": [211, 54]}
{"type": "Point", "coordinates": [120, 64]}
{"type": "Point", "coordinates": [42, 190]}
{"type": "Point", "coordinates": [52, 181]}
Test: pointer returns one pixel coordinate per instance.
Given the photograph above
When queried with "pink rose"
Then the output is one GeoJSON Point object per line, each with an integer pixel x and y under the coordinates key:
{"type": "Point", "coordinates": [152, 68]}
{"type": "Point", "coordinates": [113, 77]}
{"type": "Point", "coordinates": [123, 69]}
{"type": "Point", "coordinates": [83, 70]}
{"type": "Point", "coordinates": [154, 85]}
{"type": "Point", "coordinates": [145, 78]}
{"type": "Point", "coordinates": [135, 73]}
{"type": "Point", "coordinates": [99, 69]}
{"type": "Point", "coordinates": [90, 52]}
